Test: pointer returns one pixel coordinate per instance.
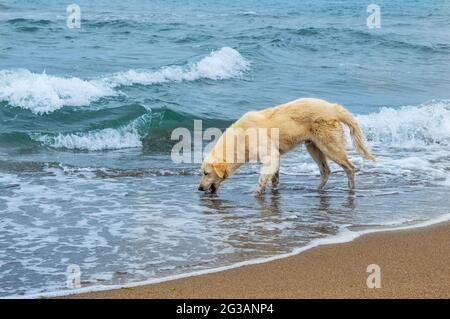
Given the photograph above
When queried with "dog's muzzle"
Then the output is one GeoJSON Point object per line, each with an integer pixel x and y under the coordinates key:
{"type": "Point", "coordinates": [211, 190]}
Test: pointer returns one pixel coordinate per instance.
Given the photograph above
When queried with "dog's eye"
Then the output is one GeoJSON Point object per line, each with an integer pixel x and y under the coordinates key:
{"type": "Point", "coordinates": [205, 173]}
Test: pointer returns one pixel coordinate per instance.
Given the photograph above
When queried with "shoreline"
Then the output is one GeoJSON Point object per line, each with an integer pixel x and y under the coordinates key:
{"type": "Point", "coordinates": [341, 238]}
{"type": "Point", "coordinates": [412, 247]}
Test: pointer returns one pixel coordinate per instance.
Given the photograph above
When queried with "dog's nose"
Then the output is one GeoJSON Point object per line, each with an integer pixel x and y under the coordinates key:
{"type": "Point", "coordinates": [200, 188]}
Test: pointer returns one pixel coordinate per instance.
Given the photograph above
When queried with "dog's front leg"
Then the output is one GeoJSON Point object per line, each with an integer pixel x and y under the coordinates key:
{"type": "Point", "coordinates": [276, 180]}
{"type": "Point", "coordinates": [269, 171]}
{"type": "Point", "coordinates": [263, 178]}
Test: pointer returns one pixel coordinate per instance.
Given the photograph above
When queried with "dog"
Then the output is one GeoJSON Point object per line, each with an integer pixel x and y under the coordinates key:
{"type": "Point", "coordinates": [313, 122]}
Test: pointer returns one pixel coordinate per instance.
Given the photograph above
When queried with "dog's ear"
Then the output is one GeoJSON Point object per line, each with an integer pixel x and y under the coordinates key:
{"type": "Point", "coordinates": [220, 169]}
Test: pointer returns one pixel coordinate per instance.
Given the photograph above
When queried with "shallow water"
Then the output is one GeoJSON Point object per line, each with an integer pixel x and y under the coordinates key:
{"type": "Point", "coordinates": [86, 176]}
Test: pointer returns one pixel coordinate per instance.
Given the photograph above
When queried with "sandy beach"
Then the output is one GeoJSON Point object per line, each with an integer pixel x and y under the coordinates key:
{"type": "Point", "coordinates": [414, 263]}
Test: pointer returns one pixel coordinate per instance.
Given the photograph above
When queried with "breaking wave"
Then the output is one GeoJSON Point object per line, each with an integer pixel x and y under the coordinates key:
{"type": "Point", "coordinates": [127, 136]}
{"type": "Point", "coordinates": [409, 126]}
{"type": "Point", "coordinates": [219, 65]}
{"type": "Point", "coordinates": [406, 127]}
{"type": "Point", "coordinates": [42, 93]}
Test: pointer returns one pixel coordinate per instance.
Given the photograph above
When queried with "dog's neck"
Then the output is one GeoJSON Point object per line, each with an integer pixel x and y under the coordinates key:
{"type": "Point", "coordinates": [231, 168]}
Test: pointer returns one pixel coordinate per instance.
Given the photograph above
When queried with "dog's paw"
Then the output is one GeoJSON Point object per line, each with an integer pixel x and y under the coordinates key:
{"type": "Point", "coordinates": [257, 193]}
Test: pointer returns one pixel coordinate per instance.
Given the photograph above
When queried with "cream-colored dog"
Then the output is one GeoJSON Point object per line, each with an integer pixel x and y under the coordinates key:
{"type": "Point", "coordinates": [265, 135]}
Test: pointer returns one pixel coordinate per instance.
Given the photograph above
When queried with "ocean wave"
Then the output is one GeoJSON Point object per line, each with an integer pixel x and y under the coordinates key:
{"type": "Point", "coordinates": [15, 139]}
{"type": "Point", "coordinates": [113, 23]}
{"type": "Point", "coordinates": [219, 65]}
{"type": "Point", "coordinates": [321, 38]}
{"type": "Point", "coordinates": [29, 25]}
{"type": "Point", "coordinates": [42, 93]}
{"type": "Point", "coordinates": [23, 21]}
{"type": "Point", "coordinates": [405, 127]}
{"type": "Point", "coordinates": [106, 139]}
{"type": "Point", "coordinates": [409, 126]}
{"type": "Point", "coordinates": [151, 131]}
{"type": "Point", "coordinates": [127, 136]}
{"type": "Point", "coordinates": [105, 172]}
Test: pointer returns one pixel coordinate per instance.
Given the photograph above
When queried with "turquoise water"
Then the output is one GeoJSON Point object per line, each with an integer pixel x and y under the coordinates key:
{"type": "Point", "coordinates": [86, 115]}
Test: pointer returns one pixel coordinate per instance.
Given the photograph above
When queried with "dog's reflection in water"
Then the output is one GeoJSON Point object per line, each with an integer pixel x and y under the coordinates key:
{"type": "Point", "coordinates": [270, 206]}
{"type": "Point", "coordinates": [324, 203]}
{"type": "Point", "coordinates": [266, 222]}
{"type": "Point", "coordinates": [214, 204]}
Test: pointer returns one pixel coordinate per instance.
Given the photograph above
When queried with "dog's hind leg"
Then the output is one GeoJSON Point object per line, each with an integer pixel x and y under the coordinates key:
{"type": "Point", "coordinates": [348, 167]}
{"type": "Point", "coordinates": [334, 149]}
{"type": "Point", "coordinates": [321, 161]}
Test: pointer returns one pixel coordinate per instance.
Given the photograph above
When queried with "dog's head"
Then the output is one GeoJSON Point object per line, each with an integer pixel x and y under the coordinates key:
{"type": "Point", "coordinates": [212, 175]}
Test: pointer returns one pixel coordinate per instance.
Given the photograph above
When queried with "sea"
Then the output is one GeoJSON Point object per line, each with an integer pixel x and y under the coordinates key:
{"type": "Point", "coordinates": [90, 197]}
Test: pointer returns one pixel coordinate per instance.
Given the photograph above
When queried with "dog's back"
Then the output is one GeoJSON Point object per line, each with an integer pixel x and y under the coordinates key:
{"type": "Point", "coordinates": [305, 119]}
{"type": "Point", "coordinates": [294, 120]}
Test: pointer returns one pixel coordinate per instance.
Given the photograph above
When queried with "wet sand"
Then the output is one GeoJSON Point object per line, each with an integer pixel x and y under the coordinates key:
{"type": "Point", "coordinates": [414, 263]}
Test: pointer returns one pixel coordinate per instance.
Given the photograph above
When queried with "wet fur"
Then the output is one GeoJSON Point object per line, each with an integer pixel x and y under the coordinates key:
{"type": "Point", "coordinates": [314, 122]}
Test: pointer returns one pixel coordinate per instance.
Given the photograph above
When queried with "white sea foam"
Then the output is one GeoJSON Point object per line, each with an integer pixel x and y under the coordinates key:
{"type": "Point", "coordinates": [248, 13]}
{"type": "Point", "coordinates": [409, 126]}
{"type": "Point", "coordinates": [222, 64]}
{"type": "Point", "coordinates": [106, 139]}
{"type": "Point", "coordinates": [345, 235]}
{"type": "Point", "coordinates": [42, 93]}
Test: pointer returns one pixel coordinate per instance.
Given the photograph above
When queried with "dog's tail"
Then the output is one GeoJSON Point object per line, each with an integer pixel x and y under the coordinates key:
{"type": "Point", "coordinates": [357, 136]}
